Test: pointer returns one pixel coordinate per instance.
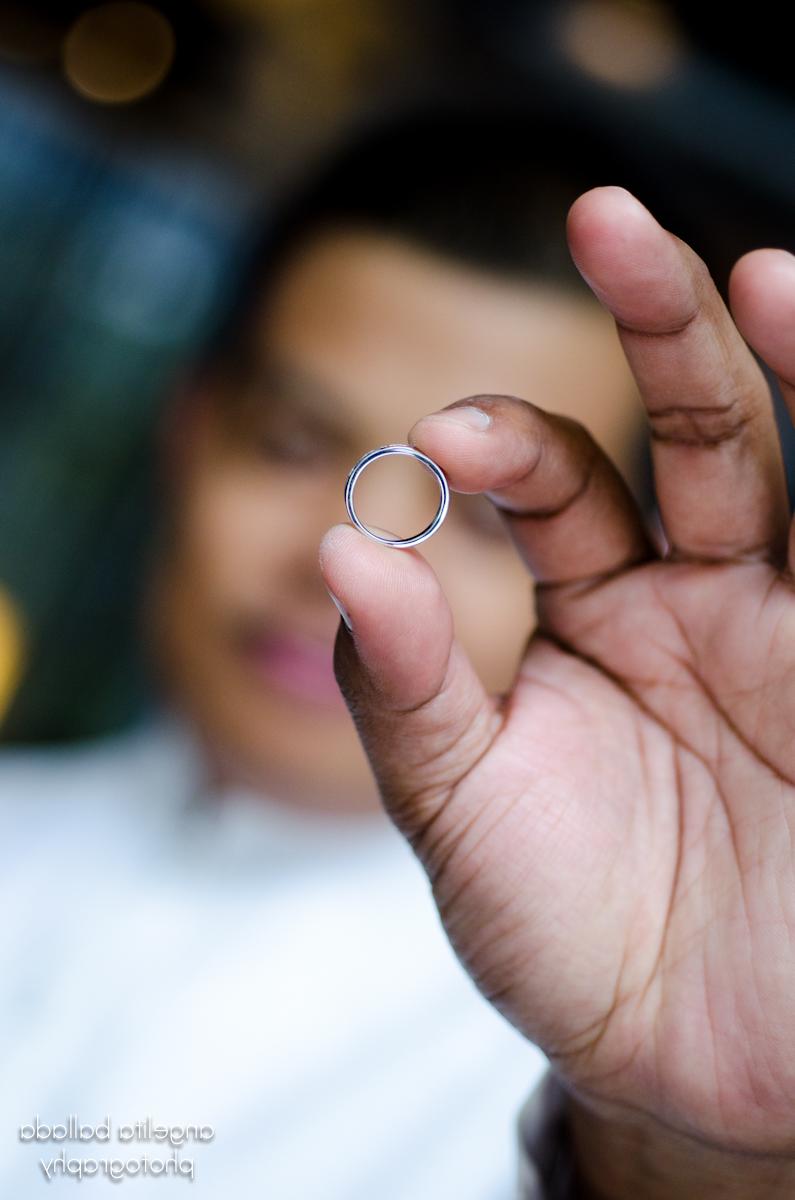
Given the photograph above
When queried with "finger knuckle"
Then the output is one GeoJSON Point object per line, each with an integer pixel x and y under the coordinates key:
{"type": "Point", "coordinates": [702, 425]}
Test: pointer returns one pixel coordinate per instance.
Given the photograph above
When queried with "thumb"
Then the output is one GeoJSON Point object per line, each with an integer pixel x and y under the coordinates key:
{"type": "Point", "coordinates": [421, 711]}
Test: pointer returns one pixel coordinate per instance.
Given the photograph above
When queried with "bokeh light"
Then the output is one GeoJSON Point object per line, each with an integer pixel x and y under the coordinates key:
{"type": "Point", "coordinates": [11, 642]}
{"type": "Point", "coordinates": [118, 52]}
{"type": "Point", "coordinates": [625, 43]}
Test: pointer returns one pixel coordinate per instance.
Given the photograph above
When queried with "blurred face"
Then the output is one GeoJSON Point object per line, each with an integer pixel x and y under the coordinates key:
{"type": "Point", "coordinates": [360, 337]}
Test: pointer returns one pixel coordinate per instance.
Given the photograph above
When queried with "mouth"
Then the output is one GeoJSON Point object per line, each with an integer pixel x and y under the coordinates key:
{"type": "Point", "coordinates": [293, 664]}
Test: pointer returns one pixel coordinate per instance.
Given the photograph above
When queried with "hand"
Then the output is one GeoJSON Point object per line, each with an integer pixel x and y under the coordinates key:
{"type": "Point", "coordinates": [611, 844]}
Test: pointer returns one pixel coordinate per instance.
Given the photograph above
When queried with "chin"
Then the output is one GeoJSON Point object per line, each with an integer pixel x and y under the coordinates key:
{"type": "Point", "coordinates": [316, 764]}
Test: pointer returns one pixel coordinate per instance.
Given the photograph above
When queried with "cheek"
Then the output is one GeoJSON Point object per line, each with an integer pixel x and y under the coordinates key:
{"type": "Point", "coordinates": [232, 533]}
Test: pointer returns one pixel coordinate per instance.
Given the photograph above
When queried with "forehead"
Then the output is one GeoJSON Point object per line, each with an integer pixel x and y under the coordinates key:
{"type": "Point", "coordinates": [393, 331]}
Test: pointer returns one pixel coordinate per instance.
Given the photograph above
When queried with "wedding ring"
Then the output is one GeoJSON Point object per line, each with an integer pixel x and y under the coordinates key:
{"type": "Point", "coordinates": [428, 463]}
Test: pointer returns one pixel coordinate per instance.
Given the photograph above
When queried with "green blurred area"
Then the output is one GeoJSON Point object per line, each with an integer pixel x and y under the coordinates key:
{"type": "Point", "coordinates": [111, 272]}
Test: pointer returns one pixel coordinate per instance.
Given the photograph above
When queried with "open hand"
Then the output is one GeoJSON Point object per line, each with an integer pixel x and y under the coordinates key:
{"type": "Point", "coordinates": [611, 843]}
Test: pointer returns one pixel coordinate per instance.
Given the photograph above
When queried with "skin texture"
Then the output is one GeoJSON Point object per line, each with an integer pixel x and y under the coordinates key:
{"type": "Point", "coordinates": [610, 840]}
{"type": "Point", "coordinates": [369, 334]}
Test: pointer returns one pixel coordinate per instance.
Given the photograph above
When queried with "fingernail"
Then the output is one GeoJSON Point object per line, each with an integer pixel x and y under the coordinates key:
{"type": "Point", "coordinates": [465, 414]}
{"type": "Point", "coordinates": [341, 609]}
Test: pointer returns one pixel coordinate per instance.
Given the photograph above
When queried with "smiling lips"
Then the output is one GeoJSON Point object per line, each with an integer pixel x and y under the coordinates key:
{"type": "Point", "coordinates": [300, 666]}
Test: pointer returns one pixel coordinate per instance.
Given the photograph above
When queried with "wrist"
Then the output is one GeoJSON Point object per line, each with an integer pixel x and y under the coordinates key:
{"type": "Point", "coordinates": [640, 1159]}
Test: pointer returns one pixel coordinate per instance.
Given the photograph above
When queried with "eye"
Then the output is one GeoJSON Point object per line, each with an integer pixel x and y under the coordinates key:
{"type": "Point", "coordinates": [279, 435]}
{"type": "Point", "coordinates": [293, 445]}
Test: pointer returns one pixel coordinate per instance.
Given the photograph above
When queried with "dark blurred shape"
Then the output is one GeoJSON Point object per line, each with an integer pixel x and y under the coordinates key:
{"type": "Point", "coordinates": [704, 132]}
{"type": "Point", "coordinates": [753, 40]}
{"type": "Point", "coordinates": [118, 52]}
{"type": "Point", "coordinates": [29, 33]}
{"type": "Point", "coordinates": [180, 79]}
{"type": "Point", "coordinates": [749, 41]}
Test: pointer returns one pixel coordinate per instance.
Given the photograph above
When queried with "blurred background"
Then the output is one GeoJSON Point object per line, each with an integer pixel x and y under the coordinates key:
{"type": "Point", "coordinates": [141, 147]}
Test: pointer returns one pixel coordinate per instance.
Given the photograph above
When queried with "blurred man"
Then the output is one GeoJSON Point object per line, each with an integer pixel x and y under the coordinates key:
{"type": "Point", "coordinates": [215, 920]}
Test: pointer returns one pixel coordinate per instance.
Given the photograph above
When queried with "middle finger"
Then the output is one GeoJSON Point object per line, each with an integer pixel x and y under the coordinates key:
{"type": "Point", "coordinates": [718, 469]}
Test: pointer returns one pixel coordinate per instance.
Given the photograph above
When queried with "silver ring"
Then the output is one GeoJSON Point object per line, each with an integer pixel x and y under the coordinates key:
{"type": "Point", "coordinates": [428, 463]}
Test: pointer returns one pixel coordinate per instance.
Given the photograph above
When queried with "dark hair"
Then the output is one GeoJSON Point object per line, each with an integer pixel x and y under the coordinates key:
{"type": "Point", "coordinates": [490, 188]}
{"type": "Point", "coordinates": [487, 187]}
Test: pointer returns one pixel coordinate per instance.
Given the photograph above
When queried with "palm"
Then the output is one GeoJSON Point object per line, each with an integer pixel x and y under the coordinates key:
{"type": "Point", "coordinates": [611, 844]}
{"type": "Point", "coordinates": [659, 842]}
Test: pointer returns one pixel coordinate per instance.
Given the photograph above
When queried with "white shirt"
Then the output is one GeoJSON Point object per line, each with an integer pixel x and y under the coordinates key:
{"type": "Point", "coordinates": [278, 975]}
